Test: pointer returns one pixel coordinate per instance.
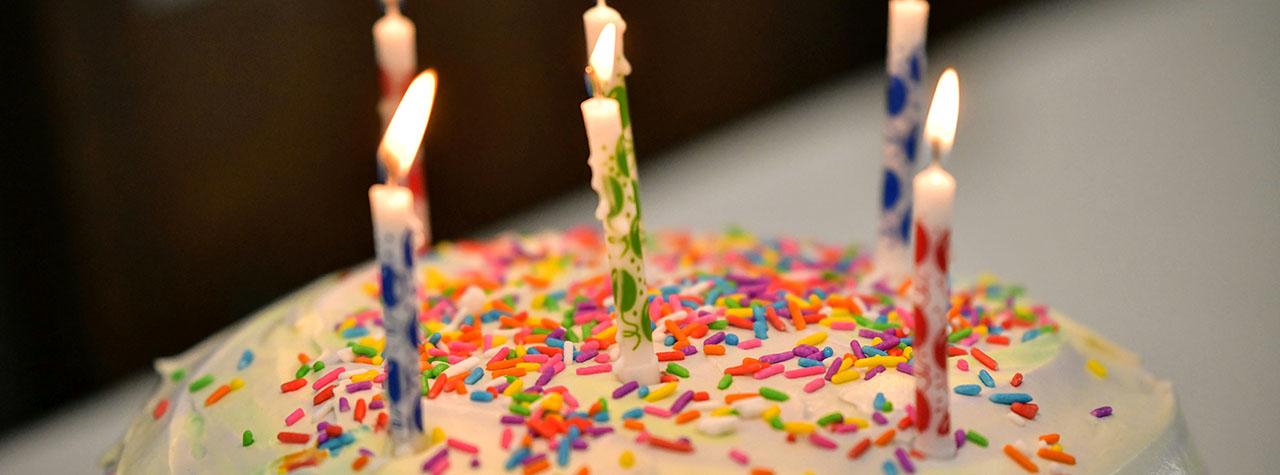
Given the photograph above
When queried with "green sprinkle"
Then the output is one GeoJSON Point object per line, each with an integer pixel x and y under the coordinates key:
{"type": "Point", "coordinates": [319, 366]}
{"type": "Point", "coordinates": [247, 438]}
{"type": "Point", "coordinates": [302, 371]}
{"type": "Point", "coordinates": [976, 438]}
{"type": "Point", "coordinates": [958, 335]}
{"type": "Point", "coordinates": [520, 409]}
{"type": "Point", "coordinates": [525, 397]}
{"type": "Point", "coordinates": [510, 379]}
{"type": "Point", "coordinates": [438, 368]}
{"type": "Point", "coordinates": [364, 351]}
{"type": "Point", "coordinates": [776, 422]}
{"type": "Point", "coordinates": [438, 359]}
{"type": "Point", "coordinates": [718, 325]}
{"type": "Point", "coordinates": [725, 381]}
{"type": "Point", "coordinates": [731, 303]}
{"type": "Point", "coordinates": [774, 394]}
{"type": "Point", "coordinates": [887, 407]}
{"type": "Point", "coordinates": [200, 383]}
{"type": "Point", "coordinates": [830, 418]}
{"type": "Point", "coordinates": [571, 336]}
{"type": "Point", "coordinates": [177, 375]}
{"type": "Point", "coordinates": [541, 331]}
{"type": "Point", "coordinates": [678, 370]}
{"type": "Point", "coordinates": [1047, 329]}
{"type": "Point", "coordinates": [604, 404]}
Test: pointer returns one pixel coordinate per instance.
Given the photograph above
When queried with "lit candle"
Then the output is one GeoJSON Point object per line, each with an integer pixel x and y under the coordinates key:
{"type": "Point", "coordinates": [394, 227]}
{"type": "Point", "coordinates": [614, 84]}
{"type": "Point", "coordinates": [619, 212]}
{"type": "Point", "coordinates": [905, 65]}
{"type": "Point", "coordinates": [394, 38]}
{"type": "Point", "coordinates": [935, 192]}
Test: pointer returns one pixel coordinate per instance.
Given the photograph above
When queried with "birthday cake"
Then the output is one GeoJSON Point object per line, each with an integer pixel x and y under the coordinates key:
{"type": "Point", "coordinates": [777, 356]}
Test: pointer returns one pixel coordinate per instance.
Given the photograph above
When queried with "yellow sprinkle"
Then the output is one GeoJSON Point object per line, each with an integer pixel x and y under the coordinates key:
{"type": "Point", "coordinates": [771, 412]}
{"type": "Point", "coordinates": [236, 383]}
{"type": "Point", "coordinates": [798, 301]}
{"type": "Point", "coordinates": [608, 333]}
{"type": "Point", "coordinates": [520, 351]}
{"type": "Point", "coordinates": [529, 366]}
{"type": "Point", "coordinates": [376, 360]}
{"type": "Point", "coordinates": [1096, 368]}
{"type": "Point", "coordinates": [1057, 447]}
{"type": "Point", "coordinates": [848, 363]}
{"type": "Point", "coordinates": [498, 340]}
{"type": "Point", "coordinates": [437, 436]}
{"type": "Point", "coordinates": [861, 423]}
{"type": "Point", "coordinates": [809, 472]}
{"type": "Point", "coordinates": [435, 325]}
{"type": "Point", "coordinates": [720, 303]}
{"type": "Point", "coordinates": [348, 323]}
{"type": "Point", "coordinates": [723, 411]}
{"type": "Point", "coordinates": [799, 427]}
{"type": "Point", "coordinates": [538, 300]}
{"type": "Point", "coordinates": [981, 329]}
{"type": "Point", "coordinates": [873, 361]}
{"type": "Point", "coordinates": [907, 352]}
{"type": "Point", "coordinates": [739, 312]}
{"type": "Point", "coordinates": [552, 402]}
{"type": "Point", "coordinates": [365, 376]}
{"type": "Point", "coordinates": [370, 288]}
{"type": "Point", "coordinates": [815, 301]}
{"type": "Point", "coordinates": [436, 280]}
{"type": "Point", "coordinates": [663, 392]}
{"type": "Point", "coordinates": [813, 340]}
{"type": "Point", "coordinates": [876, 341]}
{"type": "Point", "coordinates": [845, 376]}
{"type": "Point", "coordinates": [515, 387]}
{"type": "Point", "coordinates": [627, 459]}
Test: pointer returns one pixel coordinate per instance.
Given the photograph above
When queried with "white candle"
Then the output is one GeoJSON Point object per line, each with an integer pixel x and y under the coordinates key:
{"type": "Point", "coordinates": [935, 191]}
{"type": "Point", "coordinates": [904, 111]}
{"type": "Point", "coordinates": [394, 44]}
{"type": "Point", "coordinates": [613, 179]}
{"type": "Point", "coordinates": [594, 20]}
{"type": "Point", "coordinates": [394, 227]}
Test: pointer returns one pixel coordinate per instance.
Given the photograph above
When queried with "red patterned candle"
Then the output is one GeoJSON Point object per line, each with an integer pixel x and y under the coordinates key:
{"type": "Point", "coordinates": [934, 193]}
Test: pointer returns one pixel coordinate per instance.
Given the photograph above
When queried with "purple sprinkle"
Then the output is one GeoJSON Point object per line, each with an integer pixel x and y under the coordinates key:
{"type": "Point", "coordinates": [502, 387]}
{"type": "Point", "coordinates": [435, 459]}
{"type": "Point", "coordinates": [343, 405]}
{"type": "Point", "coordinates": [360, 386]}
{"type": "Point", "coordinates": [835, 366]}
{"type": "Point", "coordinates": [599, 430]}
{"type": "Point", "coordinates": [681, 402]}
{"type": "Point", "coordinates": [625, 389]}
{"type": "Point", "coordinates": [546, 377]}
{"type": "Point", "coordinates": [879, 418]}
{"type": "Point", "coordinates": [320, 439]}
{"type": "Point", "coordinates": [510, 419]}
{"type": "Point", "coordinates": [960, 438]}
{"type": "Point", "coordinates": [776, 357]}
{"type": "Point", "coordinates": [475, 463]}
{"type": "Point", "coordinates": [873, 372]}
{"type": "Point", "coordinates": [689, 350]}
{"type": "Point", "coordinates": [366, 452]}
{"type": "Point", "coordinates": [887, 343]}
{"type": "Point", "coordinates": [583, 356]}
{"type": "Point", "coordinates": [533, 390]}
{"type": "Point", "coordinates": [322, 426]}
{"type": "Point", "coordinates": [579, 444]}
{"type": "Point", "coordinates": [857, 349]}
{"type": "Point", "coordinates": [375, 405]}
{"type": "Point", "coordinates": [865, 333]}
{"type": "Point", "coordinates": [534, 459]}
{"type": "Point", "coordinates": [714, 339]}
{"type": "Point", "coordinates": [804, 351]}
{"type": "Point", "coordinates": [902, 459]}
{"type": "Point", "coordinates": [1101, 412]}
{"type": "Point", "coordinates": [558, 333]}
{"type": "Point", "coordinates": [906, 368]}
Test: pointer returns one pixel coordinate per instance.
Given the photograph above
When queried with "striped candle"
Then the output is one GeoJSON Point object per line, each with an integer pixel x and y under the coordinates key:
{"type": "Point", "coordinates": [904, 113]}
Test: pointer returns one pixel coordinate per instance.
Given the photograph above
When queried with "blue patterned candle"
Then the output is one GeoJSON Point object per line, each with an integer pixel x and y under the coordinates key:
{"type": "Point", "coordinates": [904, 115]}
{"type": "Point", "coordinates": [394, 228]}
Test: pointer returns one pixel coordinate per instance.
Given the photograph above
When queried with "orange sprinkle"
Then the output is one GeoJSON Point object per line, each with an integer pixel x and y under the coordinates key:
{"type": "Point", "coordinates": [670, 355]}
{"type": "Point", "coordinates": [669, 445]}
{"type": "Point", "coordinates": [360, 410]}
{"type": "Point", "coordinates": [886, 437]}
{"type": "Point", "coordinates": [711, 349]}
{"type": "Point", "coordinates": [633, 424]}
{"type": "Point", "coordinates": [984, 359]}
{"type": "Point", "coordinates": [761, 471]}
{"type": "Point", "coordinates": [687, 416]}
{"type": "Point", "coordinates": [498, 304]}
{"type": "Point", "coordinates": [772, 317]}
{"type": "Point", "coordinates": [584, 471]}
{"type": "Point", "coordinates": [217, 394]}
{"type": "Point", "coordinates": [504, 364]}
{"type": "Point", "coordinates": [1022, 460]}
{"type": "Point", "coordinates": [438, 386]}
{"type": "Point", "coordinates": [535, 281]}
{"type": "Point", "coordinates": [1049, 438]}
{"type": "Point", "coordinates": [860, 448]}
{"type": "Point", "coordinates": [906, 285]}
{"type": "Point", "coordinates": [517, 372]}
{"type": "Point", "coordinates": [730, 398]}
{"type": "Point", "coordinates": [796, 317]}
{"type": "Point", "coordinates": [359, 463]}
{"type": "Point", "coordinates": [364, 360]}
{"type": "Point", "coordinates": [304, 358]}
{"type": "Point", "coordinates": [681, 339]}
{"type": "Point", "coordinates": [537, 467]}
{"type": "Point", "coordinates": [1056, 456]}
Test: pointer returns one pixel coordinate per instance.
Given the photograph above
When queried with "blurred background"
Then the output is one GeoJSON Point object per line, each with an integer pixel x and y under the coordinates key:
{"type": "Point", "coordinates": [173, 165]}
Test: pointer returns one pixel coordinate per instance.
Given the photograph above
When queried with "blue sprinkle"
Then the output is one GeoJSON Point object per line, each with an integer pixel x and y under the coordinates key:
{"type": "Point", "coordinates": [245, 359]}
{"type": "Point", "coordinates": [995, 330]}
{"type": "Point", "coordinates": [670, 340]}
{"type": "Point", "coordinates": [434, 338]}
{"type": "Point", "coordinates": [1030, 334]}
{"type": "Point", "coordinates": [533, 351]}
{"type": "Point", "coordinates": [644, 391]}
{"type": "Point", "coordinates": [757, 311]}
{"type": "Point", "coordinates": [871, 350]}
{"type": "Point", "coordinates": [732, 340]}
{"type": "Point", "coordinates": [554, 342]}
{"type": "Point", "coordinates": [713, 295]}
{"type": "Point", "coordinates": [889, 468]}
{"type": "Point", "coordinates": [908, 340]}
{"type": "Point", "coordinates": [968, 389]}
{"type": "Point", "coordinates": [822, 295]}
{"type": "Point", "coordinates": [878, 404]}
{"type": "Point", "coordinates": [354, 332]}
{"type": "Point", "coordinates": [1010, 398]}
{"type": "Point", "coordinates": [828, 352]}
{"type": "Point", "coordinates": [602, 416]}
{"type": "Point", "coordinates": [474, 377]}
{"type": "Point", "coordinates": [986, 379]}
{"type": "Point", "coordinates": [668, 290]}
{"type": "Point", "coordinates": [761, 330]}
{"type": "Point", "coordinates": [882, 319]}
{"type": "Point", "coordinates": [634, 413]}
{"type": "Point", "coordinates": [806, 363]}
{"type": "Point", "coordinates": [481, 396]}
{"type": "Point", "coordinates": [516, 458]}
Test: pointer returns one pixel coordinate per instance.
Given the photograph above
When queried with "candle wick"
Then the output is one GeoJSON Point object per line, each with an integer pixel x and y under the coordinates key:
{"type": "Point", "coordinates": [597, 83]}
{"type": "Point", "coordinates": [936, 146]}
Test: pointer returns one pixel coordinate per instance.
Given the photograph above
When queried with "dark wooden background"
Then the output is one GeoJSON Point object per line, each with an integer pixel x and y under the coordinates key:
{"type": "Point", "coordinates": [172, 165]}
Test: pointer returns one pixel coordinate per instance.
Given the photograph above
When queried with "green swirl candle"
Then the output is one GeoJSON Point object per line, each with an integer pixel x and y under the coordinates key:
{"type": "Point", "coordinates": [613, 178]}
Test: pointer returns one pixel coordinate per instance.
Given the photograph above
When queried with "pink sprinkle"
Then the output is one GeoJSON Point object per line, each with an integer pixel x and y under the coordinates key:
{"type": "Point", "coordinates": [327, 378]}
{"type": "Point", "coordinates": [844, 325]}
{"type": "Point", "coordinates": [749, 344]}
{"type": "Point", "coordinates": [590, 345]}
{"type": "Point", "coordinates": [599, 328]}
{"type": "Point", "coordinates": [842, 428]}
{"type": "Point", "coordinates": [657, 411]}
{"type": "Point", "coordinates": [963, 365]}
{"type": "Point", "coordinates": [600, 368]}
{"type": "Point", "coordinates": [506, 438]}
{"type": "Point", "coordinates": [569, 400]}
{"type": "Point", "coordinates": [435, 352]}
{"type": "Point", "coordinates": [536, 358]}
{"type": "Point", "coordinates": [970, 340]}
{"type": "Point", "coordinates": [463, 446]}
{"type": "Point", "coordinates": [366, 315]}
{"type": "Point", "coordinates": [821, 441]}
{"type": "Point", "coordinates": [488, 341]}
{"type": "Point", "coordinates": [767, 372]}
{"type": "Point", "coordinates": [500, 355]}
{"type": "Point", "coordinates": [814, 385]}
{"type": "Point", "coordinates": [461, 346]}
{"type": "Point", "coordinates": [297, 414]}
{"type": "Point", "coordinates": [738, 456]}
{"type": "Point", "coordinates": [380, 377]}
{"type": "Point", "coordinates": [602, 358]}
{"type": "Point", "coordinates": [559, 366]}
{"type": "Point", "coordinates": [454, 359]}
{"type": "Point", "coordinates": [802, 372]}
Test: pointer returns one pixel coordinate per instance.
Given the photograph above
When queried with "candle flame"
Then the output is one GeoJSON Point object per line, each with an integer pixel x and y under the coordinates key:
{"type": "Point", "coordinates": [408, 124]}
{"type": "Point", "coordinates": [602, 54]}
{"type": "Point", "coordinates": [940, 127]}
